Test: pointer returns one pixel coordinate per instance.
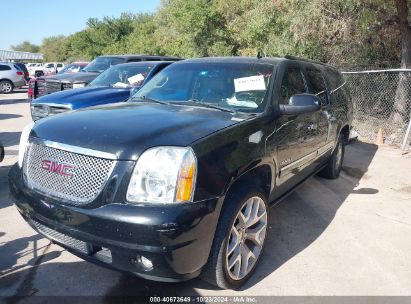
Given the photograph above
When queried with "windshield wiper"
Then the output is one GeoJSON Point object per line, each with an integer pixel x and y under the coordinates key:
{"type": "Point", "coordinates": [195, 102]}
{"type": "Point", "coordinates": [144, 98]}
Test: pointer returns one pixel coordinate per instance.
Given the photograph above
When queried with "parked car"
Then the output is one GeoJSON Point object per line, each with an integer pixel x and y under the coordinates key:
{"type": "Point", "coordinates": [179, 182]}
{"type": "Point", "coordinates": [113, 85]}
{"type": "Point", "coordinates": [74, 67]}
{"type": "Point", "coordinates": [36, 85]}
{"type": "Point", "coordinates": [11, 76]}
{"type": "Point", "coordinates": [49, 68]}
{"type": "Point", "coordinates": [23, 68]}
{"type": "Point", "coordinates": [93, 69]}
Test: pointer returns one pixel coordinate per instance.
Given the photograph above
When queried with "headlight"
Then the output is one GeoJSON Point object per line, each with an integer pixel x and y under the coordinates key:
{"type": "Point", "coordinates": [24, 138]}
{"type": "Point", "coordinates": [163, 175]}
{"type": "Point", "coordinates": [67, 85]}
{"type": "Point", "coordinates": [78, 85]}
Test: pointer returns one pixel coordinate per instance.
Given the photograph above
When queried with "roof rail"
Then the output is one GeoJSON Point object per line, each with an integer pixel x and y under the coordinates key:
{"type": "Point", "coordinates": [290, 57]}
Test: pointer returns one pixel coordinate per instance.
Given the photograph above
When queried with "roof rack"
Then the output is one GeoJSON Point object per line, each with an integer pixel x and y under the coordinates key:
{"type": "Point", "coordinates": [290, 57]}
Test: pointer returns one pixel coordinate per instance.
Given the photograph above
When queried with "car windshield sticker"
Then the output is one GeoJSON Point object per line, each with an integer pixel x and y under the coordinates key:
{"type": "Point", "coordinates": [233, 101]}
{"type": "Point", "coordinates": [135, 78]}
{"type": "Point", "coordinates": [252, 83]}
{"type": "Point", "coordinates": [120, 85]}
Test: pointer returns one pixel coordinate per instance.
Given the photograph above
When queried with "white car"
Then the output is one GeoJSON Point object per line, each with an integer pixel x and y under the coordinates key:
{"type": "Point", "coordinates": [49, 68]}
{"type": "Point", "coordinates": [11, 76]}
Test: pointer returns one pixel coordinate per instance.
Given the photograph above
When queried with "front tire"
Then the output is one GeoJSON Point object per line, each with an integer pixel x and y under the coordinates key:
{"type": "Point", "coordinates": [239, 239]}
{"type": "Point", "coordinates": [6, 86]}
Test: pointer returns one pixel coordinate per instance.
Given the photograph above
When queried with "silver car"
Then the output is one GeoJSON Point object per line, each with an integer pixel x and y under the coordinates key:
{"type": "Point", "coordinates": [11, 76]}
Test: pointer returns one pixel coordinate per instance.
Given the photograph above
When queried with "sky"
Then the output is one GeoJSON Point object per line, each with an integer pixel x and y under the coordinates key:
{"type": "Point", "coordinates": [34, 20]}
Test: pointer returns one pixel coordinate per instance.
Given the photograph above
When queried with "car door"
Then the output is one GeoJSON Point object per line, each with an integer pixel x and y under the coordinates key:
{"type": "Point", "coordinates": [323, 119]}
{"type": "Point", "coordinates": [293, 142]}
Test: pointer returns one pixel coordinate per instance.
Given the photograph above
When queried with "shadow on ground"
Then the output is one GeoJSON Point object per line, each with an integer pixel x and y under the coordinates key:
{"type": "Point", "coordinates": [13, 101]}
{"type": "Point", "coordinates": [9, 139]}
{"type": "Point", "coordinates": [294, 224]}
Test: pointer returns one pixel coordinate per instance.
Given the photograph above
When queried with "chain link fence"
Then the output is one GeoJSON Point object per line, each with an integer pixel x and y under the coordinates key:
{"type": "Point", "coordinates": [382, 101]}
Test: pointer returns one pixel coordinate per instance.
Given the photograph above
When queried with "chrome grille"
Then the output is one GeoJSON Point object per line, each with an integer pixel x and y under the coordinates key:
{"type": "Point", "coordinates": [53, 86]}
{"type": "Point", "coordinates": [60, 237]}
{"type": "Point", "coordinates": [85, 181]}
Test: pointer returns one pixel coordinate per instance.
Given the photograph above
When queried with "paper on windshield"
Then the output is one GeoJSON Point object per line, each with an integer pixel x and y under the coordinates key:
{"type": "Point", "coordinates": [241, 103]}
{"type": "Point", "coordinates": [135, 78]}
{"type": "Point", "coordinates": [120, 85]}
{"type": "Point", "coordinates": [252, 83]}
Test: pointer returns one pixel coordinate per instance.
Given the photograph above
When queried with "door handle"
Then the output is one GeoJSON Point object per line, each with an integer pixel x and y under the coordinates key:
{"type": "Point", "coordinates": [312, 126]}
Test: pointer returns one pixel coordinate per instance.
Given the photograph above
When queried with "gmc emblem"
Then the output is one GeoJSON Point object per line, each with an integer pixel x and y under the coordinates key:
{"type": "Point", "coordinates": [56, 167]}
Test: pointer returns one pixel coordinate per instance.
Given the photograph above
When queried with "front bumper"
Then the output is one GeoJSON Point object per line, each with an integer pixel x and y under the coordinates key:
{"type": "Point", "coordinates": [176, 239]}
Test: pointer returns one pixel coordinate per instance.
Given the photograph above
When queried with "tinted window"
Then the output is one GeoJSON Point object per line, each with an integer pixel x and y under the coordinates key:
{"type": "Point", "coordinates": [5, 68]}
{"type": "Point", "coordinates": [317, 85]}
{"type": "Point", "coordinates": [59, 65]}
{"type": "Point", "coordinates": [17, 67]}
{"type": "Point", "coordinates": [293, 83]}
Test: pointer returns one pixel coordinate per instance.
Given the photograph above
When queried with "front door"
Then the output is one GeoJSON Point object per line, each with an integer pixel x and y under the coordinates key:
{"type": "Point", "coordinates": [294, 142]}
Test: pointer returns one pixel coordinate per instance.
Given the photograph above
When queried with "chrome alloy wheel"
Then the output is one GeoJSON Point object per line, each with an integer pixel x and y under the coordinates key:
{"type": "Point", "coordinates": [6, 87]}
{"type": "Point", "coordinates": [246, 238]}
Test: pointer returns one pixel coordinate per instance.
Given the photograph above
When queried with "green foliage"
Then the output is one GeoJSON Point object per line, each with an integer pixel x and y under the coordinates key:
{"type": "Point", "coordinates": [53, 48]}
{"type": "Point", "coordinates": [26, 46]}
{"type": "Point", "coordinates": [341, 32]}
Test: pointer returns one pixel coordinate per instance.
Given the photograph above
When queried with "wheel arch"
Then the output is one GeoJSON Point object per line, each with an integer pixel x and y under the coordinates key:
{"type": "Point", "coordinates": [260, 176]}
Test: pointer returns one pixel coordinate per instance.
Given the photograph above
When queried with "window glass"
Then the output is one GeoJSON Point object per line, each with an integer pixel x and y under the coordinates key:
{"type": "Point", "coordinates": [123, 76]}
{"type": "Point", "coordinates": [317, 85]}
{"type": "Point", "coordinates": [100, 64]}
{"type": "Point", "coordinates": [293, 83]}
{"type": "Point", "coordinates": [5, 68]}
{"type": "Point", "coordinates": [59, 65]}
{"type": "Point", "coordinates": [236, 87]}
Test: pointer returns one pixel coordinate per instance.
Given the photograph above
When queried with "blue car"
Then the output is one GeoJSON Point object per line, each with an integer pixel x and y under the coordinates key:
{"type": "Point", "coordinates": [116, 84]}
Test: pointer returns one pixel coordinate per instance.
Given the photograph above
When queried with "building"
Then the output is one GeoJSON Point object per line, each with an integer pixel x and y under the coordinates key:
{"type": "Point", "coordinates": [20, 56]}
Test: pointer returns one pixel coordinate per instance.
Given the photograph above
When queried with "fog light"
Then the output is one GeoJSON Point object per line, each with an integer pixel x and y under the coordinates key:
{"type": "Point", "coordinates": [146, 263]}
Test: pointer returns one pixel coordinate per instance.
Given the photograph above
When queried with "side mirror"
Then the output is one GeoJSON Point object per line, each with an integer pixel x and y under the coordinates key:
{"type": "Point", "coordinates": [301, 104]}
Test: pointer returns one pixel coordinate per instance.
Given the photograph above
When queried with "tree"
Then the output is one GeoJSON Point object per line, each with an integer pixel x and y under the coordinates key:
{"type": "Point", "coordinates": [26, 46]}
{"type": "Point", "coordinates": [53, 48]}
{"type": "Point", "coordinates": [403, 93]}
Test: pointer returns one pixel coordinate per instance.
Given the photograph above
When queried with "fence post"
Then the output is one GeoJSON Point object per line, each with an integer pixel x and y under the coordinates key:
{"type": "Point", "coordinates": [407, 134]}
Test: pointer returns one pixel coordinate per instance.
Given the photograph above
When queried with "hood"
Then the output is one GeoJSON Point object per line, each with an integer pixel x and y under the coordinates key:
{"type": "Point", "coordinates": [85, 97]}
{"type": "Point", "coordinates": [128, 129]}
{"type": "Point", "coordinates": [74, 77]}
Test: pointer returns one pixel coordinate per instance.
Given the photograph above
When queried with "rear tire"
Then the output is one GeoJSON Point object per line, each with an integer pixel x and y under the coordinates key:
{"type": "Point", "coordinates": [6, 86]}
{"type": "Point", "coordinates": [333, 168]}
{"type": "Point", "coordinates": [239, 238]}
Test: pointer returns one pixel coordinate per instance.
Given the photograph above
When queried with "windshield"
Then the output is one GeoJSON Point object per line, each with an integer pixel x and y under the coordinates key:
{"type": "Point", "coordinates": [123, 76]}
{"type": "Point", "coordinates": [101, 64]}
{"type": "Point", "coordinates": [235, 87]}
{"type": "Point", "coordinates": [71, 68]}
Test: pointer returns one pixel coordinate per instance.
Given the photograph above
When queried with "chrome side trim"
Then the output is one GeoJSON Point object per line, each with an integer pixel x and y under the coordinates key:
{"type": "Point", "coordinates": [73, 149]}
{"type": "Point", "coordinates": [298, 161]}
{"type": "Point", "coordinates": [324, 149]}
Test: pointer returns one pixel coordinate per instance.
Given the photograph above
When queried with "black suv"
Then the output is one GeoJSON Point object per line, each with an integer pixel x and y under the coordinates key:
{"type": "Point", "coordinates": [178, 181]}
{"type": "Point", "coordinates": [68, 81]}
